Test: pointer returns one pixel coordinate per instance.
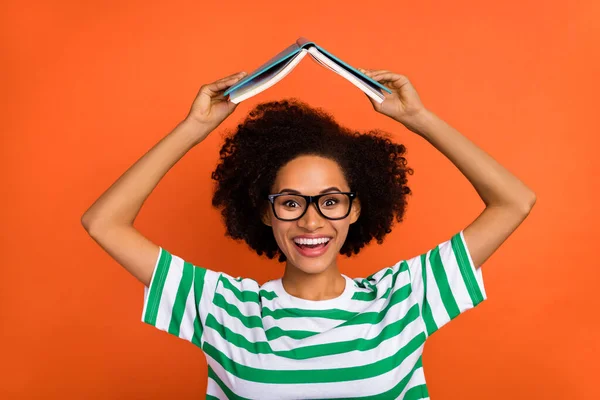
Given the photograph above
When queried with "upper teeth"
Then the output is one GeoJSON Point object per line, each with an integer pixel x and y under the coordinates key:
{"type": "Point", "coordinates": [311, 241]}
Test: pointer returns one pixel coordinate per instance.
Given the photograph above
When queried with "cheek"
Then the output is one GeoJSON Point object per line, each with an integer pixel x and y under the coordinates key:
{"type": "Point", "coordinates": [280, 232]}
{"type": "Point", "coordinates": [342, 233]}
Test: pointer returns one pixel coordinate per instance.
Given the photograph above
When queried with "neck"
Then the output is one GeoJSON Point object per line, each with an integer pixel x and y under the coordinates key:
{"type": "Point", "coordinates": [325, 285]}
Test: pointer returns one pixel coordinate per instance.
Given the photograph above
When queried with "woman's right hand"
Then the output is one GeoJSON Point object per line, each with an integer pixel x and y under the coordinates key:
{"type": "Point", "coordinates": [210, 107]}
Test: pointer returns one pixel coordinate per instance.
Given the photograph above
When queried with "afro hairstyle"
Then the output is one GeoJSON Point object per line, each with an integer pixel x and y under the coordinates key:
{"type": "Point", "coordinates": [274, 133]}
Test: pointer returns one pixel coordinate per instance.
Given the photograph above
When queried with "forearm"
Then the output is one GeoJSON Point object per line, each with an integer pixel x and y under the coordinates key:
{"type": "Point", "coordinates": [122, 201]}
{"type": "Point", "coordinates": [495, 184]}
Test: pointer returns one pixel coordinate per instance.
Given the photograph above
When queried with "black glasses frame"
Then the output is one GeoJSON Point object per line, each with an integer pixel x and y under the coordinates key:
{"type": "Point", "coordinates": [309, 200]}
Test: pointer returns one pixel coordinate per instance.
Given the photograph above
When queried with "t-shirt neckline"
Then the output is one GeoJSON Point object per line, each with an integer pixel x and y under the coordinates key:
{"type": "Point", "coordinates": [315, 304]}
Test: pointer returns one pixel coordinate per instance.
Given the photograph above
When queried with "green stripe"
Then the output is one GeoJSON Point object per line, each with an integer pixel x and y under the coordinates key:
{"type": "Point", "coordinates": [466, 271]}
{"type": "Point", "coordinates": [394, 393]}
{"type": "Point", "coordinates": [254, 321]}
{"type": "Point", "coordinates": [314, 376]}
{"type": "Point", "coordinates": [370, 296]}
{"type": "Point", "coordinates": [251, 321]}
{"type": "Point", "coordinates": [430, 324]}
{"type": "Point", "coordinates": [365, 284]}
{"type": "Point", "coordinates": [246, 295]}
{"type": "Point", "coordinates": [197, 336]}
{"type": "Point", "coordinates": [417, 392]}
{"type": "Point", "coordinates": [364, 296]}
{"type": "Point", "coordinates": [414, 393]}
{"type": "Point", "coordinates": [317, 350]}
{"type": "Point", "coordinates": [375, 317]}
{"type": "Point", "coordinates": [268, 294]}
{"type": "Point", "coordinates": [183, 292]}
{"type": "Point", "coordinates": [333, 313]}
{"type": "Point", "coordinates": [441, 280]}
{"type": "Point", "coordinates": [369, 281]}
{"type": "Point", "coordinates": [157, 286]}
{"type": "Point", "coordinates": [230, 395]}
{"type": "Point", "coordinates": [199, 276]}
{"type": "Point", "coordinates": [372, 276]}
{"type": "Point", "coordinates": [276, 332]}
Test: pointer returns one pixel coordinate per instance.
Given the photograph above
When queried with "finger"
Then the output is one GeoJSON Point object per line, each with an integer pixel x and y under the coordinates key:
{"type": "Point", "coordinates": [213, 88]}
{"type": "Point", "coordinates": [373, 102]}
{"type": "Point", "coordinates": [387, 76]}
{"type": "Point", "coordinates": [238, 74]}
{"type": "Point", "coordinates": [379, 72]}
{"type": "Point", "coordinates": [383, 75]}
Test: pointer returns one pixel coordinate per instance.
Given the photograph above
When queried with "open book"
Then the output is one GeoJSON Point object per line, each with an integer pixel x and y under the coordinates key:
{"type": "Point", "coordinates": [282, 64]}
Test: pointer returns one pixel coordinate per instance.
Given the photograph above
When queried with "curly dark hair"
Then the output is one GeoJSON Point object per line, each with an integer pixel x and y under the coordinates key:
{"type": "Point", "coordinates": [277, 132]}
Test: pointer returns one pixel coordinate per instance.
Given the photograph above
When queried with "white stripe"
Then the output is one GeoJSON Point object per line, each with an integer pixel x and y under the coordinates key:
{"type": "Point", "coordinates": [358, 305]}
{"type": "Point", "coordinates": [146, 288]}
{"type": "Point", "coordinates": [343, 333]}
{"type": "Point", "coordinates": [169, 294]}
{"type": "Point", "coordinates": [353, 358]}
{"type": "Point", "coordinates": [418, 378]}
{"type": "Point", "coordinates": [213, 389]}
{"type": "Point", "coordinates": [455, 279]}
{"type": "Point", "coordinates": [246, 284]}
{"type": "Point", "coordinates": [478, 271]}
{"type": "Point", "coordinates": [363, 387]}
{"type": "Point", "coordinates": [206, 298]}
{"type": "Point", "coordinates": [247, 308]}
{"type": "Point", "coordinates": [186, 330]}
{"type": "Point", "coordinates": [313, 324]}
{"type": "Point", "coordinates": [434, 297]}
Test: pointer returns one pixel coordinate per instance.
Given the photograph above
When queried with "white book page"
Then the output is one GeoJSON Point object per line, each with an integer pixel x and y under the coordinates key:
{"type": "Point", "coordinates": [325, 61]}
{"type": "Point", "coordinates": [266, 79]}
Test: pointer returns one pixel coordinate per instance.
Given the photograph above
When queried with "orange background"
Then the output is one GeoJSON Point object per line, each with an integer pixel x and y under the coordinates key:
{"type": "Point", "coordinates": [89, 87]}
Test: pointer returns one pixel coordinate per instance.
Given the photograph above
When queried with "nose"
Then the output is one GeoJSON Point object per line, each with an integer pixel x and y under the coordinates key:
{"type": "Point", "coordinates": [311, 219]}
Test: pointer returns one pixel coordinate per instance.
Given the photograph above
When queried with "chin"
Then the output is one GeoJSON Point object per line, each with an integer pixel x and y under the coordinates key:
{"type": "Point", "coordinates": [308, 266]}
{"type": "Point", "coordinates": [312, 269]}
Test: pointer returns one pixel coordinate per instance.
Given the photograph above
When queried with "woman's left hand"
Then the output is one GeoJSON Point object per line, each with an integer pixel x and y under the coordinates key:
{"type": "Point", "coordinates": [403, 103]}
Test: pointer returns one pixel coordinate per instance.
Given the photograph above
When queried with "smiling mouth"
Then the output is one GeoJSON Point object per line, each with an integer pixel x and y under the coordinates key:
{"type": "Point", "coordinates": [312, 250]}
{"type": "Point", "coordinates": [311, 246]}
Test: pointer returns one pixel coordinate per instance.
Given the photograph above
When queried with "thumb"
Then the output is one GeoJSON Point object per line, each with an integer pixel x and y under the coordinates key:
{"type": "Point", "coordinates": [231, 106]}
{"type": "Point", "coordinates": [373, 102]}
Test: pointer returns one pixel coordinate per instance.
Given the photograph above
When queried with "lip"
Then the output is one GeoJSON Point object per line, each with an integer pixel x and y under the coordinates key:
{"type": "Point", "coordinates": [311, 237]}
{"type": "Point", "coordinates": [306, 252]}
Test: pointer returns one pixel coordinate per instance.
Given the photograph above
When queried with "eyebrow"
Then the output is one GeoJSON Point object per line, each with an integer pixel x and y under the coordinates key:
{"type": "Point", "coordinates": [329, 189]}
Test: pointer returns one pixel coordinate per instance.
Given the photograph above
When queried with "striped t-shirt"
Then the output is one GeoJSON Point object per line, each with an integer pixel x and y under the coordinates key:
{"type": "Point", "coordinates": [262, 343]}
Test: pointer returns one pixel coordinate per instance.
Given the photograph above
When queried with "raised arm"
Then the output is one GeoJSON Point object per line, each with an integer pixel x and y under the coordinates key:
{"type": "Point", "coordinates": [109, 221]}
{"type": "Point", "coordinates": [508, 201]}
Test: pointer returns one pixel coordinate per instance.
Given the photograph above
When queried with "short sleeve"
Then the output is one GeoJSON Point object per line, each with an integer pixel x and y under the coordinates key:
{"type": "Point", "coordinates": [446, 282]}
{"type": "Point", "coordinates": [178, 295]}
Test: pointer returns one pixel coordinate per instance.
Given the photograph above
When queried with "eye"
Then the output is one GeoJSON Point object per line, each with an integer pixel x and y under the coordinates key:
{"type": "Point", "coordinates": [330, 202]}
{"type": "Point", "coordinates": [288, 202]}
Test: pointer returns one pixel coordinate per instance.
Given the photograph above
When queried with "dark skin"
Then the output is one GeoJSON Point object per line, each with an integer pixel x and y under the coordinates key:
{"type": "Point", "coordinates": [508, 201]}
{"type": "Point", "coordinates": [311, 278]}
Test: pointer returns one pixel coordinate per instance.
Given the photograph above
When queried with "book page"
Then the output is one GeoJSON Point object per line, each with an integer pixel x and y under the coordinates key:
{"type": "Point", "coordinates": [285, 55]}
{"type": "Point", "coordinates": [371, 90]}
{"type": "Point", "coordinates": [267, 79]}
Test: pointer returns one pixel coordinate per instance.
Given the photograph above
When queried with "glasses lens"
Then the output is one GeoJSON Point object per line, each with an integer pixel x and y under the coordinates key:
{"type": "Point", "coordinates": [332, 205]}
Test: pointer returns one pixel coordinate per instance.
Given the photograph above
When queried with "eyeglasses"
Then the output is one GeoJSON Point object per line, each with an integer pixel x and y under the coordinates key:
{"type": "Point", "coordinates": [290, 207]}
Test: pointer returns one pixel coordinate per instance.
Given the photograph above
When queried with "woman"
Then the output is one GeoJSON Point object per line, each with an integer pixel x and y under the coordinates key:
{"type": "Point", "coordinates": [292, 183]}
